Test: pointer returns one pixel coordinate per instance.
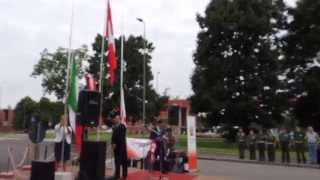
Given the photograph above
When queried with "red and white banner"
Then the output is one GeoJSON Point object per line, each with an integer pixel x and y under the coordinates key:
{"type": "Point", "coordinates": [192, 143]}
{"type": "Point", "coordinates": [91, 83]}
{"type": "Point", "coordinates": [138, 148]}
{"type": "Point", "coordinates": [123, 114]}
{"type": "Point", "coordinates": [111, 46]}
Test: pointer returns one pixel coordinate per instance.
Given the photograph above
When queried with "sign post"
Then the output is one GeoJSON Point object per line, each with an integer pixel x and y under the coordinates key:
{"type": "Point", "coordinates": [192, 143]}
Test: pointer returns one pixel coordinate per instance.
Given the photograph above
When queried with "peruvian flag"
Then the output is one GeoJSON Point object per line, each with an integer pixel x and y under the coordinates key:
{"type": "Point", "coordinates": [111, 46]}
{"type": "Point", "coordinates": [123, 114]}
{"type": "Point", "coordinates": [91, 83]}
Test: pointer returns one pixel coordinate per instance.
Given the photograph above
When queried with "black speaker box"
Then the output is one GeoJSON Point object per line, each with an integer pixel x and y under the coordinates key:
{"type": "Point", "coordinates": [41, 170]}
{"type": "Point", "coordinates": [89, 108]}
{"type": "Point", "coordinates": [92, 160]}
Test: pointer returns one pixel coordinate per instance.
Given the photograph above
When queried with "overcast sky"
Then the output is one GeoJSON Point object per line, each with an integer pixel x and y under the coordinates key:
{"type": "Point", "coordinates": [27, 27]}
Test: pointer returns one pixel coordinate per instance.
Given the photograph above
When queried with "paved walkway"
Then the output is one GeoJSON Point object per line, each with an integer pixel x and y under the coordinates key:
{"type": "Point", "coordinates": [246, 171]}
{"type": "Point", "coordinates": [236, 160]}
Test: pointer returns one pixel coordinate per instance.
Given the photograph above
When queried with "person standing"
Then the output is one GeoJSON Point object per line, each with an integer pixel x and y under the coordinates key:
{"type": "Point", "coordinates": [119, 146]}
{"type": "Point", "coordinates": [251, 141]}
{"type": "Point", "coordinates": [299, 144]}
{"type": "Point", "coordinates": [284, 139]}
{"type": "Point", "coordinates": [271, 140]}
{"type": "Point", "coordinates": [261, 144]}
{"type": "Point", "coordinates": [159, 136]}
{"type": "Point", "coordinates": [241, 137]}
{"type": "Point", "coordinates": [312, 139]}
{"type": "Point", "coordinates": [63, 134]}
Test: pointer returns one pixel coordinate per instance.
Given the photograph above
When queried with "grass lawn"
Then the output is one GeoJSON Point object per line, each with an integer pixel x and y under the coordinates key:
{"type": "Point", "coordinates": [205, 146]}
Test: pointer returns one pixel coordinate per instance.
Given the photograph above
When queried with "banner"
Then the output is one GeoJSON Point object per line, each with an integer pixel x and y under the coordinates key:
{"type": "Point", "coordinates": [192, 143]}
{"type": "Point", "coordinates": [137, 148]}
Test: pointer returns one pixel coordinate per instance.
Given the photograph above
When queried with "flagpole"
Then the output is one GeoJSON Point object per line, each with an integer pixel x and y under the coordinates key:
{"type": "Point", "coordinates": [121, 71]}
{"type": "Point", "coordinates": [101, 73]}
{"type": "Point", "coordinates": [67, 80]}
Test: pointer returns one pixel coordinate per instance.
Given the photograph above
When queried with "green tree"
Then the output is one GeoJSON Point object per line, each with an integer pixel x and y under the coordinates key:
{"type": "Point", "coordinates": [47, 111]}
{"type": "Point", "coordinates": [23, 112]}
{"type": "Point", "coordinates": [50, 112]}
{"type": "Point", "coordinates": [235, 78]}
{"type": "Point", "coordinates": [52, 69]}
{"type": "Point", "coordinates": [133, 84]}
{"type": "Point", "coordinates": [301, 78]}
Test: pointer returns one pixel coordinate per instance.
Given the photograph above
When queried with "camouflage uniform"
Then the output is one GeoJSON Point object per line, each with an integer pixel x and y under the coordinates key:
{"type": "Point", "coordinates": [242, 144]}
{"type": "Point", "coordinates": [261, 144]}
{"type": "Point", "coordinates": [299, 140]}
{"type": "Point", "coordinates": [251, 141]}
{"type": "Point", "coordinates": [271, 147]}
{"type": "Point", "coordinates": [284, 139]}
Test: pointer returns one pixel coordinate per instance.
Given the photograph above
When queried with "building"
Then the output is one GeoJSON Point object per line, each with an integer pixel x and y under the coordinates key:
{"type": "Point", "coordinates": [176, 112]}
{"type": "Point", "coordinates": [6, 118]}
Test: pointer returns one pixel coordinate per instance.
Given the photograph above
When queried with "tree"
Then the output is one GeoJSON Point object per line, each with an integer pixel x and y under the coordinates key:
{"type": "Point", "coordinates": [50, 112]}
{"type": "Point", "coordinates": [52, 68]}
{"type": "Point", "coordinates": [133, 84]}
{"type": "Point", "coordinates": [300, 77]}
{"type": "Point", "coordinates": [23, 112]}
{"type": "Point", "coordinates": [307, 109]}
{"type": "Point", "coordinates": [236, 75]}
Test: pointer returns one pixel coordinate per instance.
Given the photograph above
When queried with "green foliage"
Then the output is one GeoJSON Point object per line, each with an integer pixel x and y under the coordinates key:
{"type": "Point", "coordinates": [23, 112]}
{"type": "Point", "coordinates": [307, 108]}
{"type": "Point", "coordinates": [235, 79]}
{"type": "Point", "coordinates": [133, 77]}
{"type": "Point", "coordinates": [47, 111]}
{"type": "Point", "coordinates": [52, 68]}
{"type": "Point", "coordinates": [301, 48]}
{"type": "Point", "coordinates": [50, 111]}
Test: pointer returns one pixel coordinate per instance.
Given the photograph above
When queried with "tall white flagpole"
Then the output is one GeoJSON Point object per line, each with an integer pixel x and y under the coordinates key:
{"type": "Point", "coordinates": [68, 74]}
{"type": "Point", "coordinates": [121, 74]}
{"type": "Point", "coordinates": [121, 70]}
{"type": "Point", "coordinates": [102, 71]}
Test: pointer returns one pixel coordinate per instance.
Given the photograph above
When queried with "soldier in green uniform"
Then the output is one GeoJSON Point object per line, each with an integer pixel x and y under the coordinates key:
{"type": "Point", "coordinates": [299, 142]}
{"type": "Point", "coordinates": [271, 139]}
{"type": "Point", "coordinates": [284, 139]}
{"type": "Point", "coordinates": [261, 144]}
{"type": "Point", "coordinates": [251, 141]}
{"type": "Point", "coordinates": [241, 137]}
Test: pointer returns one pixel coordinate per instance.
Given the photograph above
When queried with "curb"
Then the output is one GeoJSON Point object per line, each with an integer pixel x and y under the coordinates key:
{"type": "Point", "coordinates": [260, 163]}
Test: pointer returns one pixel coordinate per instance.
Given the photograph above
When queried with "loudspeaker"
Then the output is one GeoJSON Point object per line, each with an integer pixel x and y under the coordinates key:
{"type": "Point", "coordinates": [41, 170]}
{"type": "Point", "coordinates": [92, 160]}
{"type": "Point", "coordinates": [89, 108]}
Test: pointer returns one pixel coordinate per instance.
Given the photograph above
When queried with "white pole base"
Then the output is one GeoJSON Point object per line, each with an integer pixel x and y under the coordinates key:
{"type": "Point", "coordinates": [63, 176]}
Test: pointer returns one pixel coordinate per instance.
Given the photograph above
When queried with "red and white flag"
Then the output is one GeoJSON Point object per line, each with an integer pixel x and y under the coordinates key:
{"type": "Point", "coordinates": [123, 114]}
{"type": "Point", "coordinates": [91, 83]}
{"type": "Point", "coordinates": [111, 47]}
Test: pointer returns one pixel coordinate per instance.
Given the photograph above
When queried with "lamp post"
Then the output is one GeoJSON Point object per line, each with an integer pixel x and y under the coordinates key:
{"type": "Point", "coordinates": [144, 71]}
{"type": "Point", "coordinates": [157, 82]}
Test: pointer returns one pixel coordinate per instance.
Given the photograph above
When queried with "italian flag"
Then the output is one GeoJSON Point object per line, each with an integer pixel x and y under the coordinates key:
{"type": "Point", "coordinates": [73, 93]}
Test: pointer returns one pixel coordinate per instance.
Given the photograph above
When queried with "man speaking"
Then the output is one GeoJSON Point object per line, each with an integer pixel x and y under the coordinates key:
{"type": "Point", "coordinates": [119, 146]}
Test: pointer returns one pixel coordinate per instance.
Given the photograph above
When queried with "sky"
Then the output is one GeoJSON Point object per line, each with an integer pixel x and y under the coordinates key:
{"type": "Point", "coordinates": [28, 27]}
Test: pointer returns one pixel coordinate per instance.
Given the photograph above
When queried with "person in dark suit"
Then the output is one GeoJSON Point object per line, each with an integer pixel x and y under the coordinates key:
{"type": "Point", "coordinates": [119, 146]}
{"type": "Point", "coordinates": [158, 135]}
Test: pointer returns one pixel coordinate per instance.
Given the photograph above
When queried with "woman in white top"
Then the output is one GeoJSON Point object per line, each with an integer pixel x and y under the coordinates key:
{"type": "Point", "coordinates": [63, 138]}
{"type": "Point", "coordinates": [312, 139]}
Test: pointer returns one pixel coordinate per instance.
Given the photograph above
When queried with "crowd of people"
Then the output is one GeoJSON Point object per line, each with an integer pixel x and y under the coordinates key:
{"type": "Point", "coordinates": [266, 142]}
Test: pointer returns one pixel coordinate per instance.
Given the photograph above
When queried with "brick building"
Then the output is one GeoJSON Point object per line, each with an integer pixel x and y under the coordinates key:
{"type": "Point", "coordinates": [176, 112]}
{"type": "Point", "coordinates": [6, 118]}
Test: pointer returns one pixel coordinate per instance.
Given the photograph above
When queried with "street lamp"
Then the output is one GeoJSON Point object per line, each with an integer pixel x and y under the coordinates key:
{"type": "Point", "coordinates": [157, 82]}
{"type": "Point", "coordinates": [144, 71]}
